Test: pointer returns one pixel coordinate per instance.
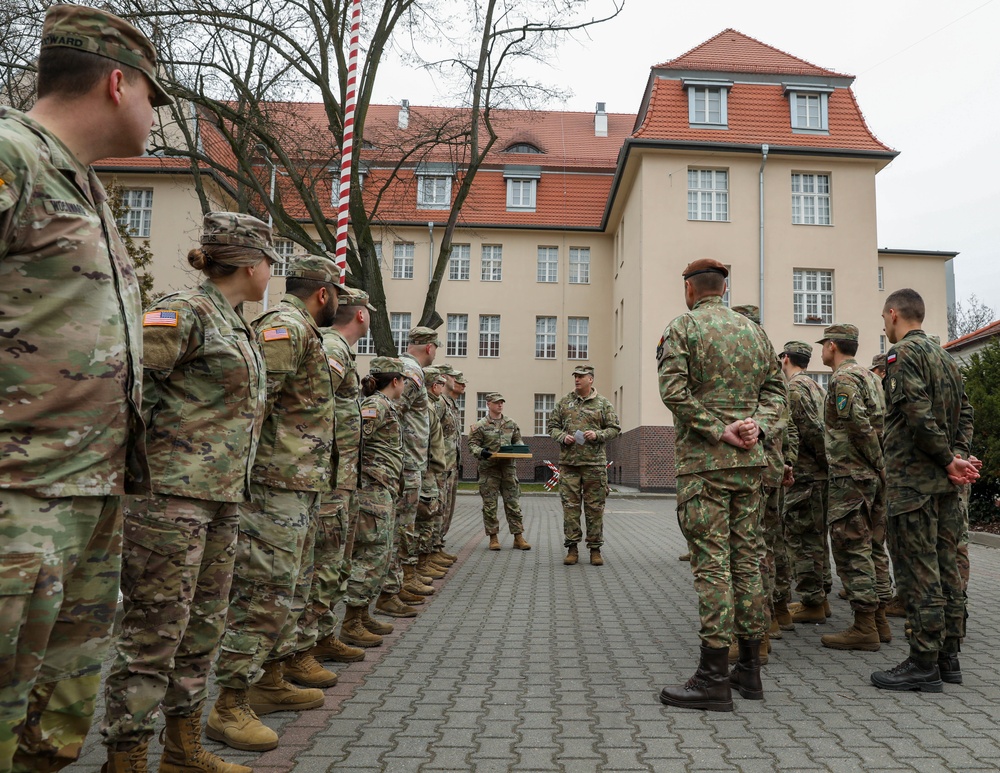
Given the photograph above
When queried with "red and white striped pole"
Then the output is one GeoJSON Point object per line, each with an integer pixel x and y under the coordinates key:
{"type": "Point", "coordinates": [347, 151]}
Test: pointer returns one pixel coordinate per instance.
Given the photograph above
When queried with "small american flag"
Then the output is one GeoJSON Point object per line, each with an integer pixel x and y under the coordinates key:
{"type": "Point", "coordinates": [168, 318]}
{"type": "Point", "coordinates": [276, 334]}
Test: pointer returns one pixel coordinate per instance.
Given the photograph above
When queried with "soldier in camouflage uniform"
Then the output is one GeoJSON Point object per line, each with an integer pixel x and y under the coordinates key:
{"type": "Point", "coordinates": [71, 434]}
{"type": "Point", "coordinates": [927, 440]}
{"type": "Point", "coordinates": [452, 431]}
{"type": "Point", "coordinates": [582, 423]}
{"type": "Point", "coordinates": [203, 389]}
{"type": "Point", "coordinates": [338, 511]}
{"type": "Point", "coordinates": [456, 390]}
{"type": "Point", "coordinates": [433, 481]}
{"type": "Point", "coordinates": [498, 476]}
{"type": "Point", "coordinates": [719, 419]}
{"type": "Point", "coordinates": [294, 466]}
{"type": "Point", "coordinates": [853, 421]}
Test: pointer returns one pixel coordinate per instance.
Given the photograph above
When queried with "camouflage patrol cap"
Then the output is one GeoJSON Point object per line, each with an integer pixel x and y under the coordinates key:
{"type": "Point", "coordinates": [704, 266]}
{"type": "Point", "coordinates": [801, 348]}
{"type": "Point", "coordinates": [446, 369]}
{"type": "Point", "coordinates": [840, 331]}
{"type": "Point", "coordinates": [424, 335]}
{"type": "Point", "coordinates": [459, 378]}
{"type": "Point", "coordinates": [583, 370]}
{"type": "Point", "coordinates": [495, 397]}
{"type": "Point", "coordinates": [98, 32]}
{"type": "Point", "coordinates": [315, 267]}
{"type": "Point", "coordinates": [352, 296]}
{"type": "Point", "coordinates": [386, 365]}
{"type": "Point", "coordinates": [878, 361]}
{"type": "Point", "coordinates": [238, 229]}
{"type": "Point", "coordinates": [749, 311]}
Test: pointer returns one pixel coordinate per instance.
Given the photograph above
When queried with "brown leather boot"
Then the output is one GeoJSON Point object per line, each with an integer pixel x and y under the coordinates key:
{"type": "Point", "coordinates": [519, 542]}
{"type": "Point", "coordinates": [427, 568]}
{"type": "Point", "coordinates": [450, 556]}
{"type": "Point", "coordinates": [745, 675]}
{"type": "Point", "coordinates": [882, 625]}
{"type": "Point", "coordinates": [303, 669]}
{"type": "Point", "coordinates": [862, 635]}
{"type": "Point", "coordinates": [413, 584]}
{"type": "Point", "coordinates": [332, 648]}
{"type": "Point", "coordinates": [412, 599]}
{"type": "Point", "coordinates": [183, 752]}
{"type": "Point", "coordinates": [133, 760]}
{"type": "Point", "coordinates": [783, 616]}
{"type": "Point", "coordinates": [388, 604]}
{"type": "Point", "coordinates": [375, 626]}
{"type": "Point", "coordinates": [439, 559]}
{"type": "Point", "coordinates": [894, 608]}
{"type": "Point", "coordinates": [353, 629]}
{"type": "Point", "coordinates": [232, 722]}
{"type": "Point", "coordinates": [494, 542]}
{"type": "Point", "coordinates": [572, 556]}
{"type": "Point", "coordinates": [273, 693]}
{"type": "Point", "coordinates": [708, 689]}
{"type": "Point", "coordinates": [774, 630]}
{"type": "Point", "coordinates": [826, 607]}
{"type": "Point", "coordinates": [803, 614]}
{"type": "Point", "coordinates": [595, 557]}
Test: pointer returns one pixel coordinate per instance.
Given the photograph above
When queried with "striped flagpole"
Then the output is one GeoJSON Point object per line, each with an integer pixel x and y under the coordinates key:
{"type": "Point", "coordinates": [347, 152]}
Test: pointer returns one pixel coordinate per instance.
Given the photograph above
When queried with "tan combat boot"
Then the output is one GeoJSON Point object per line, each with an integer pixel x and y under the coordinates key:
{"type": "Point", "coordinates": [882, 625]}
{"type": "Point", "coordinates": [428, 569]}
{"type": "Point", "coordinates": [332, 648]}
{"type": "Point", "coordinates": [595, 557]}
{"type": "Point", "coordinates": [183, 752]}
{"type": "Point", "coordinates": [413, 584]}
{"type": "Point", "coordinates": [783, 616]}
{"type": "Point", "coordinates": [374, 626]}
{"type": "Point", "coordinates": [272, 693]}
{"type": "Point", "coordinates": [684, 557]}
{"type": "Point", "coordinates": [519, 542]}
{"type": "Point", "coordinates": [353, 630]}
{"type": "Point", "coordinates": [439, 559]}
{"type": "Point", "coordinates": [804, 614]}
{"type": "Point", "coordinates": [894, 608]}
{"type": "Point", "coordinates": [389, 604]}
{"type": "Point", "coordinates": [494, 542]}
{"type": "Point", "coordinates": [572, 556]}
{"type": "Point", "coordinates": [411, 599]}
{"type": "Point", "coordinates": [450, 556]}
{"type": "Point", "coordinates": [774, 630]}
{"type": "Point", "coordinates": [131, 761]}
{"type": "Point", "coordinates": [232, 722]}
{"type": "Point", "coordinates": [303, 669]}
{"type": "Point", "coordinates": [861, 636]}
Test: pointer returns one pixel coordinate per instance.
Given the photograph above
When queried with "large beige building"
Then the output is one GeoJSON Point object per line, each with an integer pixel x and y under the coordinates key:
{"type": "Point", "coordinates": [571, 247]}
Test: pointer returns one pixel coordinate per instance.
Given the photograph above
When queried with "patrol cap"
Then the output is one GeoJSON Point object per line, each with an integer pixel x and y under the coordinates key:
{"type": "Point", "coordinates": [583, 370]}
{"type": "Point", "coordinates": [459, 378]}
{"type": "Point", "coordinates": [316, 268]}
{"type": "Point", "coordinates": [386, 365]}
{"type": "Point", "coordinates": [239, 230]}
{"type": "Point", "coordinates": [840, 331]}
{"type": "Point", "coordinates": [352, 296]}
{"type": "Point", "coordinates": [749, 311]}
{"type": "Point", "coordinates": [878, 361]}
{"type": "Point", "coordinates": [800, 348]}
{"type": "Point", "coordinates": [495, 397]}
{"type": "Point", "coordinates": [424, 335]}
{"type": "Point", "coordinates": [437, 378]}
{"type": "Point", "coordinates": [98, 32]}
{"type": "Point", "coordinates": [446, 369]}
{"type": "Point", "coordinates": [705, 266]}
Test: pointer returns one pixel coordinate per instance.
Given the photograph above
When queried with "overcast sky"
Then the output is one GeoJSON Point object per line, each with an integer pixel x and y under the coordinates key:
{"type": "Point", "coordinates": [927, 79]}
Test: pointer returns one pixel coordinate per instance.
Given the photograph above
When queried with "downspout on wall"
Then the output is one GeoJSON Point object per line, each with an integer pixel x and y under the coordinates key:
{"type": "Point", "coordinates": [763, 162]}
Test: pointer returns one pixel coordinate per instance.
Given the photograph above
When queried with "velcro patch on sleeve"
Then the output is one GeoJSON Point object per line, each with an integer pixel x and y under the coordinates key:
{"type": "Point", "coordinates": [369, 413]}
{"type": "Point", "coordinates": [160, 318]}
{"type": "Point", "coordinates": [336, 366]}
{"type": "Point", "coordinates": [276, 334]}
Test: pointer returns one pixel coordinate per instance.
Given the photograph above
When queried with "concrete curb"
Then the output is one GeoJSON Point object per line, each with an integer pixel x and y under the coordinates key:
{"type": "Point", "coordinates": [984, 538]}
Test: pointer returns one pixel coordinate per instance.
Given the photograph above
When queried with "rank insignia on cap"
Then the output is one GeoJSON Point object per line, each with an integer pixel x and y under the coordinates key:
{"type": "Point", "coordinates": [368, 413]}
{"type": "Point", "coordinates": [276, 334]}
{"type": "Point", "coordinates": [890, 358]}
{"type": "Point", "coordinates": [336, 366]}
{"type": "Point", "coordinates": [153, 318]}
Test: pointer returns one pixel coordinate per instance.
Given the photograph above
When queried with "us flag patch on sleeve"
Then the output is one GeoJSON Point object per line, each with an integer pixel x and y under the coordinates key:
{"type": "Point", "coordinates": [368, 413]}
{"type": "Point", "coordinates": [153, 318]}
{"type": "Point", "coordinates": [336, 366]}
{"type": "Point", "coordinates": [276, 334]}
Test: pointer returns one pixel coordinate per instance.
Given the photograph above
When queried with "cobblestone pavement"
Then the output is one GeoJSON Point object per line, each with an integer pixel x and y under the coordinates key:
{"type": "Point", "coordinates": [519, 663]}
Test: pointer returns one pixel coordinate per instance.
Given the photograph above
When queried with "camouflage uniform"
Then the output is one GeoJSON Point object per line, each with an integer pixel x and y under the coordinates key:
{"type": "Point", "coordinates": [428, 517]}
{"type": "Point", "coordinates": [719, 485]}
{"type": "Point", "coordinates": [880, 510]}
{"type": "Point", "coordinates": [583, 470]}
{"type": "Point", "coordinates": [453, 441]}
{"type": "Point", "coordinates": [774, 566]}
{"type": "Point", "coordinates": [378, 484]}
{"type": "Point", "coordinates": [928, 424]}
{"type": "Point", "coordinates": [498, 476]}
{"type": "Point", "coordinates": [293, 467]}
{"type": "Point", "coordinates": [203, 391]}
{"type": "Point", "coordinates": [804, 512]}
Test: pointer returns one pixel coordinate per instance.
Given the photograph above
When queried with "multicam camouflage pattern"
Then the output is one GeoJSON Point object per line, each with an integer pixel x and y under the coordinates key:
{"type": "Point", "coordinates": [583, 486]}
{"type": "Point", "coordinates": [452, 432]}
{"type": "Point", "coordinates": [331, 566]}
{"type": "Point", "coordinates": [296, 450]}
{"type": "Point", "coordinates": [489, 434]}
{"type": "Point", "coordinates": [573, 413]}
{"type": "Point", "coordinates": [851, 508]}
{"type": "Point", "coordinates": [70, 367]}
{"type": "Point", "coordinates": [203, 396]}
{"type": "Point", "coordinates": [700, 351]}
{"type": "Point", "coordinates": [347, 408]}
{"type": "Point", "coordinates": [240, 230]}
{"type": "Point", "coordinates": [806, 450]}
{"type": "Point", "coordinates": [498, 476]}
{"type": "Point", "coordinates": [414, 411]}
{"type": "Point", "coordinates": [177, 569]}
{"type": "Point", "coordinates": [429, 526]}
{"type": "Point", "coordinates": [405, 538]}
{"type": "Point", "coordinates": [853, 420]}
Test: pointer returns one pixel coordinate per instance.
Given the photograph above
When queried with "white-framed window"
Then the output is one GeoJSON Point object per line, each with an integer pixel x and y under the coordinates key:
{"type": "Point", "coordinates": [459, 262]}
{"type": "Point", "coordinates": [522, 147]}
{"type": "Point", "coordinates": [366, 345]}
{"type": "Point", "coordinates": [460, 407]}
{"type": "Point", "coordinates": [521, 194]}
{"type": "Point", "coordinates": [809, 111]}
{"type": "Point", "coordinates": [579, 265]}
{"type": "Point", "coordinates": [402, 260]}
{"type": "Point", "coordinates": [823, 379]}
{"type": "Point", "coordinates": [881, 344]}
{"type": "Point", "coordinates": [139, 217]}
{"type": "Point", "coordinates": [812, 299]}
{"type": "Point", "coordinates": [458, 335]}
{"type": "Point", "coordinates": [544, 404]}
{"type": "Point", "coordinates": [881, 279]}
{"type": "Point", "coordinates": [489, 335]}
{"type": "Point", "coordinates": [492, 263]}
{"type": "Point", "coordinates": [545, 338]}
{"type": "Point", "coordinates": [707, 106]}
{"type": "Point", "coordinates": [578, 338]}
{"type": "Point", "coordinates": [433, 192]}
{"type": "Point", "coordinates": [708, 194]}
{"type": "Point", "coordinates": [399, 324]}
{"type": "Point", "coordinates": [548, 264]}
{"type": "Point", "coordinates": [482, 410]}
{"type": "Point", "coordinates": [810, 199]}
{"type": "Point", "coordinates": [286, 249]}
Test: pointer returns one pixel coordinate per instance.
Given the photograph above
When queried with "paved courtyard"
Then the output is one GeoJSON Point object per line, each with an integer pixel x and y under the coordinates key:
{"type": "Point", "coordinates": [521, 664]}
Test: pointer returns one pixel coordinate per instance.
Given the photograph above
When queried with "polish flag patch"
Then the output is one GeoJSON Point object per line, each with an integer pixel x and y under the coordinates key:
{"type": "Point", "coordinates": [890, 359]}
{"type": "Point", "coordinates": [158, 318]}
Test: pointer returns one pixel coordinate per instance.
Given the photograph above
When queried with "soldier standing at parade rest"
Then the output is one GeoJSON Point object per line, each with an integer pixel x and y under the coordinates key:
{"type": "Point", "coordinates": [927, 437]}
{"type": "Point", "coordinates": [71, 433]}
{"type": "Point", "coordinates": [203, 390]}
{"type": "Point", "coordinates": [498, 476]}
{"type": "Point", "coordinates": [719, 419]}
{"type": "Point", "coordinates": [583, 422]}
{"type": "Point", "coordinates": [294, 466]}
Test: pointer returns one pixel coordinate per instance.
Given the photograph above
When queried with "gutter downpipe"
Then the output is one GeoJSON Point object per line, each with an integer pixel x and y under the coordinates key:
{"type": "Point", "coordinates": [763, 162]}
{"type": "Point", "coordinates": [430, 262]}
{"type": "Point", "coordinates": [270, 218]}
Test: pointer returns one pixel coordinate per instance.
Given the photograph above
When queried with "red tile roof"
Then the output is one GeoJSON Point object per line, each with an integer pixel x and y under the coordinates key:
{"type": "Point", "coordinates": [989, 331]}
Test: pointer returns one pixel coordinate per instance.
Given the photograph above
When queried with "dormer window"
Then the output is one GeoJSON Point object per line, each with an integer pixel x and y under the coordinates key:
{"type": "Point", "coordinates": [707, 102]}
{"type": "Point", "coordinates": [522, 147]}
{"type": "Point", "coordinates": [434, 185]}
{"type": "Point", "coordinates": [522, 186]}
{"type": "Point", "coordinates": [808, 106]}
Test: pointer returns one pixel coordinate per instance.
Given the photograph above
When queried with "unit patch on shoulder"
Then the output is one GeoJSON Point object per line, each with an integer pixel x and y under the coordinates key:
{"type": "Point", "coordinates": [162, 318]}
{"type": "Point", "coordinates": [842, 401]}
{"type": "Point", "coordinates": [336, 366]}
{"type": "Point", "coordinates": [276, 334]}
